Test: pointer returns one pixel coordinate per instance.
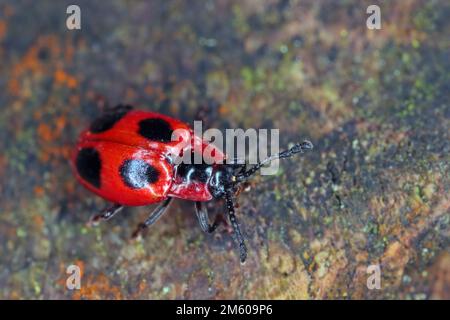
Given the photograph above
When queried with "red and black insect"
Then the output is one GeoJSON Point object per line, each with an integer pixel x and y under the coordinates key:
{"type": "Point", "coordinates": [128, 157]}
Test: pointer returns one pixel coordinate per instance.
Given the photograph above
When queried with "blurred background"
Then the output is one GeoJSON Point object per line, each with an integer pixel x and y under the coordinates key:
{"type": "Point", "coordinates": [375, 103]}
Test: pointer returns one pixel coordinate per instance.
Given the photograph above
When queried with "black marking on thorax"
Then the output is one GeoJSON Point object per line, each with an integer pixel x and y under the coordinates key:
{"type": "Point", "coordinates": [194, 172]}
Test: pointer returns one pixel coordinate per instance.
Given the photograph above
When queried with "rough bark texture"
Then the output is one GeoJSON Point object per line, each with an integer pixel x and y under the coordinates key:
{"type": "Point", "coordinates": [375, 103]}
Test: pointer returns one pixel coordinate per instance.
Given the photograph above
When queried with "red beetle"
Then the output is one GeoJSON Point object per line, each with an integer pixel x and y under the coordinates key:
{"type": "Point", "coordinates": [128, 157]}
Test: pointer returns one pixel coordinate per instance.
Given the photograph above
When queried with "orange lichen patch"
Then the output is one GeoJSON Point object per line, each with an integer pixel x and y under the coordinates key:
{"type": "Point", "coordinates": [15, 295]}
{"type": "Point", "coordinates": [399, 252]}
{"type": "Point", "coordinates": [394, 262]}
{"type": "Point", "coordinates": [3, 29]}
{"type": "Point", "coordinates": [65, 151]}
{"type": "Point", "coordinates": [45, 132]}
{"type": "Point", "coordinates": [31, 62]}
{"type": "Point", "coordinates": [48, 135]}
{"type": "Point", "coordinates": [14, 87]}
{"type": "Point", "coordinates": [141, 289]}
{"type": "Point", "coordinates": [72, 82]}
{"type": "Point", "coordinates": [49, 152]}
{"type": "Point", "coordinates": [63, 78]}
{"type": "Point", "coordinates": [223, 110]}
{"type": "Point", "coordinates": [96, 288]}
{"type": "Point", "coordinates": [440, 277]}
{"type": "Point", "coordinates": [38, 221]}
{"type": "Point", "coordinates": [60, 123]}
{"type": "Point", "coordinates": [48, 138]}
{"type": "Point", "coordinates": [80, 265]}
{"type": "Point", "coordinates": [39, 191]}
{"type": "Point", "coordinates": [425, 221]}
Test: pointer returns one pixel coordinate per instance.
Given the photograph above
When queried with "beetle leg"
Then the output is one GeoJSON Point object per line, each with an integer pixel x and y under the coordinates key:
{"type": "Point", "coordinates": [234, 223]}
{"type": "Point", "coordinates": [202, 215]}
{"type": "Point", "coordinates": [153, 217]}
{"type": "Point", "coordinates": [105, 214]}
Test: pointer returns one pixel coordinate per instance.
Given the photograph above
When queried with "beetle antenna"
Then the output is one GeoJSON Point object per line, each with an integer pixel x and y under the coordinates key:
{"type": "Point", "coordinates": [297, 148]}
{"type": "Point", "coordinates": [234, 223]}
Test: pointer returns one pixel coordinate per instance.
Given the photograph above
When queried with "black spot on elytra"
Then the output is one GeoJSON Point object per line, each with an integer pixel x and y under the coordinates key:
{"type": "Point", "coordinates": [194, 172]}
{"type": "Point", "coordinates": [109, 119]}
{"type": "Point", "coordinates": [156, 129]}
{"type": "Point", "coordinates": [89, 165]}
{"type": "Point", "coordinates": [137, 173]}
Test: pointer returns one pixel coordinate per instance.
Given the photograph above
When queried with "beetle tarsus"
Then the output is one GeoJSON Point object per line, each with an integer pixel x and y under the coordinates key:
{"type": "Point", "coordinates": [141, 227]}
{"type": "Point", "coordinates": [106, 214]}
